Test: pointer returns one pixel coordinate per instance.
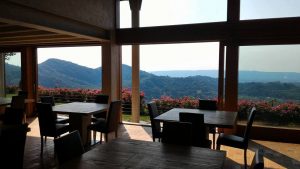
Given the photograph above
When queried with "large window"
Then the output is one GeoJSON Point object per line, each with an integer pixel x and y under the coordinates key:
{"type": "Point", "coordinates": [262, 9]}
{"type": "Point", "coordinates": [269, 77]}
{"type": "Point", "coordinates": [70, 73]}
{"type": "Point", "coordinates": [176, 12]}
{"type": "Point", "coordinates": [180, 70]}
{"type": "Point", "coordinates": [10, 73]}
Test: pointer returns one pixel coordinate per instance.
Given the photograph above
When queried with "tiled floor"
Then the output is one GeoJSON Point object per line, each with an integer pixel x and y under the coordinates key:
{"type": "Point", "coordinates": [277, 155]}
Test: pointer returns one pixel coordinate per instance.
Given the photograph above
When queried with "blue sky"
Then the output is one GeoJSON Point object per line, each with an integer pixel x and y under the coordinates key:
{"type": "Point", "coordinates": [196, 55]}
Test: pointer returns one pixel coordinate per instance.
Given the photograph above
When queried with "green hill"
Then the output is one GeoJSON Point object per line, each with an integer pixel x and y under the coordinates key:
{"type": "Point", "coordinates": [59, 73]}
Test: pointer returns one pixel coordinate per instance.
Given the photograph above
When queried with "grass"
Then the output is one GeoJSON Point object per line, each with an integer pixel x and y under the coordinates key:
{"type": "Point", "coordinates": [127, 117]}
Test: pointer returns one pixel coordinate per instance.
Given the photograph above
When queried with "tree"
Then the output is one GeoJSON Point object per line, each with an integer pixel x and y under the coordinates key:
{"type": "Point", "coordinates": [7, 55]}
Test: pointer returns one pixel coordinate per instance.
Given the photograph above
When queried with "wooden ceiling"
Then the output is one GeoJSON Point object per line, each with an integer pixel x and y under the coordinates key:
{"type": "Point", "coordinates": [19, 35]}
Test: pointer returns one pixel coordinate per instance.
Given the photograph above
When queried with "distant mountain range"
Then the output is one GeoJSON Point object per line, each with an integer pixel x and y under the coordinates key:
{"type": "Point", "coordinates": [59, 73]}
{"type": "Point", "coordinates": [244, 76]}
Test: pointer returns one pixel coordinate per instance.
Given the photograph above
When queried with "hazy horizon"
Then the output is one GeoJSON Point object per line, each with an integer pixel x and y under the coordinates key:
{"type": "Point", "coordinates": [171, 70]}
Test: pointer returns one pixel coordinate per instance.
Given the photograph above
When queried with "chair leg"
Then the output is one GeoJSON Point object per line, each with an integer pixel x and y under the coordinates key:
{"type": "Point", "coordinates": [42, 144]}
{"type": "Point", "coordinates": [214, 139]}
{"type": "Point", "coordinates": [218, 146]}
{"type": "Point", "coordinates": [116, 133]}
{"type": "Point", "coordinates": [245, 158]}
{"type": "Point", "coordinates": [94, 136]}
{"type": "Point", "coordinates": [100, 137]}
{"type": "Point", "coordinates": [106, 137]}
{"type": "Point", "coordinates": [87, 137]}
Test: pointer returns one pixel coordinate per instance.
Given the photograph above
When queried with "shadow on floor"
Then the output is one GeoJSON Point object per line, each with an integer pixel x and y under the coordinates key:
{"type": "Point", "coordinates": [276, 156]}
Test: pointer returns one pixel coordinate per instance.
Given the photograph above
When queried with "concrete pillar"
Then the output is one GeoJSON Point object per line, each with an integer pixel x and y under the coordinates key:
{"type": "Point", "coordinates": [2, 75]}
{"type": "Point", "coordinates": [135, 6]}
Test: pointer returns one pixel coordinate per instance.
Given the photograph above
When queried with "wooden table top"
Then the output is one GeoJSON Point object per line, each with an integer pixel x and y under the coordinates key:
{"type": "Point", "coordinates": [80, 108]}
{"type": "Point", "coordinates": [4, 101]}
{"type": "Point", "coordinates": [121, 153]}
{"type": "Point", "coordinates": [7, 101]}
{"type": "Point", "coordinates": [224, 119]}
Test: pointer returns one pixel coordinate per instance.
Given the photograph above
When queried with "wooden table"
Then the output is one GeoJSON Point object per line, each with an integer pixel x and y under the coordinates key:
{"type": "Point", "coordinates": [5, 101]}
{"type": "Point", "coordinates": [121, 153]}
{"type": "Point", "coordinates": [80, 115]}
{"type": "Point", "coordinates": [212, 118]}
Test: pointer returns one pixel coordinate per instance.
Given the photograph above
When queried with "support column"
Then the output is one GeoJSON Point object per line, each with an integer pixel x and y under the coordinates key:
{"type": "Point", "coordinates": [135, 6]}
{"type": "Point", "coordinates": [232, 58]}
{"type": "Point", "coordinates": [29, 77]}
{"type": "Point", "coordinates": [221, 76]}
{"type": "Point", "coordinates": [2, 75]}
{"type": "Point", "coordinates": [111, 70]}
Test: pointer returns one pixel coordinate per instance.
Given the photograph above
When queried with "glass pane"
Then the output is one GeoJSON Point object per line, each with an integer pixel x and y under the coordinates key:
{"type": "Point", "coordinates": [175, 12]}
{"type": "Point", "coordinates": [70, 73]}
{"type": "Point", "coordinates": [177, 71]}
{"type": "Point", "coordinates": [125, 15]}
{"type": "Point", "coordinates": [262, 9]}
{"type": "Point", "coordinates": [269, 77]}
{"type": "Point", "coordinates": [12, 73]}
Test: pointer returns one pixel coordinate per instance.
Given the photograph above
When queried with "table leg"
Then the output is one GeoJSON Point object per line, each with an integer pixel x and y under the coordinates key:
{"type": "Point", "coordinates": [80, 123]}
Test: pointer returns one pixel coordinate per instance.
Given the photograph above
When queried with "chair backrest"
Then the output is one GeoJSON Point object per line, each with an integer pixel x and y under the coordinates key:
{"type": "Point", "coordinates": [12, 144]}
{"type": "Point", "coordinates": [18, 102]}
{"type": "Point", "coordinates": [113, 116]}
{"type": "Point", "coordinates": [208, 104]}
{"type": "Point", "coordinates": [23, 93]}
{"type": "Point", "coordinates": [13, 116]}
{"type": "Point", "coordinates": [47, 119]}
{"type": "Point", "coordinates": [153, 112]}
{"type": "Point", "coordinates": [102, 99]}
{"type": "Point", "coordinates": [48, 99]}
{"type": "Point", "coordinates": [68, 146]}
{"type": "Point", "coordinates": [258, 160]}
{"type": "Point", "coordinates": [199, 130]}
{"type": "Point", "coordinates": [249, 124]}
{"type": "Point", "coordinates": [179, 133]}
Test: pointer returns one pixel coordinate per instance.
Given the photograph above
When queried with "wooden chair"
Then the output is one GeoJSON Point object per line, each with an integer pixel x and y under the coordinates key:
{"type": "Point", "coordinates": [101, 99]}
{"type": "Point", "coordinates": [18, 103]}
{"type": "Point", "coordinates": [155, 125]}
{"type": "Point", "coordinates": [13, 116]}
{"type": "Point", "coordinates": [209, 105]}
{"type": "Point", "coordinates": [12, 145]}
{"type": "Point", "coordinates": [199, 130]}
{"type": "Point", "coordinates": [50, 100]}
{"type": "Point", "coordinates": [47, 123]}
{"type": "Point", "coordinates": [110, 124]}
{"type": "Point", "coordinates": [23, 93]}
{"type": "Point", "coordinates": [179, 133]}
{"type": "Point", "coordinates": [236, 141]}
{"type": "Point", "coordinates": [68, 146]}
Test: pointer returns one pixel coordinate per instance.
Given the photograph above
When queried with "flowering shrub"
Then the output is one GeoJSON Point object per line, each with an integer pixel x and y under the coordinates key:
{"type": "Point", "coordinates": [65, 94]}
{"type": "Point", "coordinates": [165, 103]}
{"type": "Point", "coordinates": [267, 112]}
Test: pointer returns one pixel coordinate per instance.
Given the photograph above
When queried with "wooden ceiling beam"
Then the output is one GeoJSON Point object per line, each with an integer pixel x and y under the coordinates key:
{"type": "Point", "coordinates": [275, 30]}
{"type": "Point", "coordinates": [173, 34]}
{"type": "Point", "coordinates": [47, 42]}
{"type": "Point", "coordinates": [29, 34]}
{"type": "Point", "coordinates": [48, 22]}
{"type": "Point", "coordinates": [46, 39]}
